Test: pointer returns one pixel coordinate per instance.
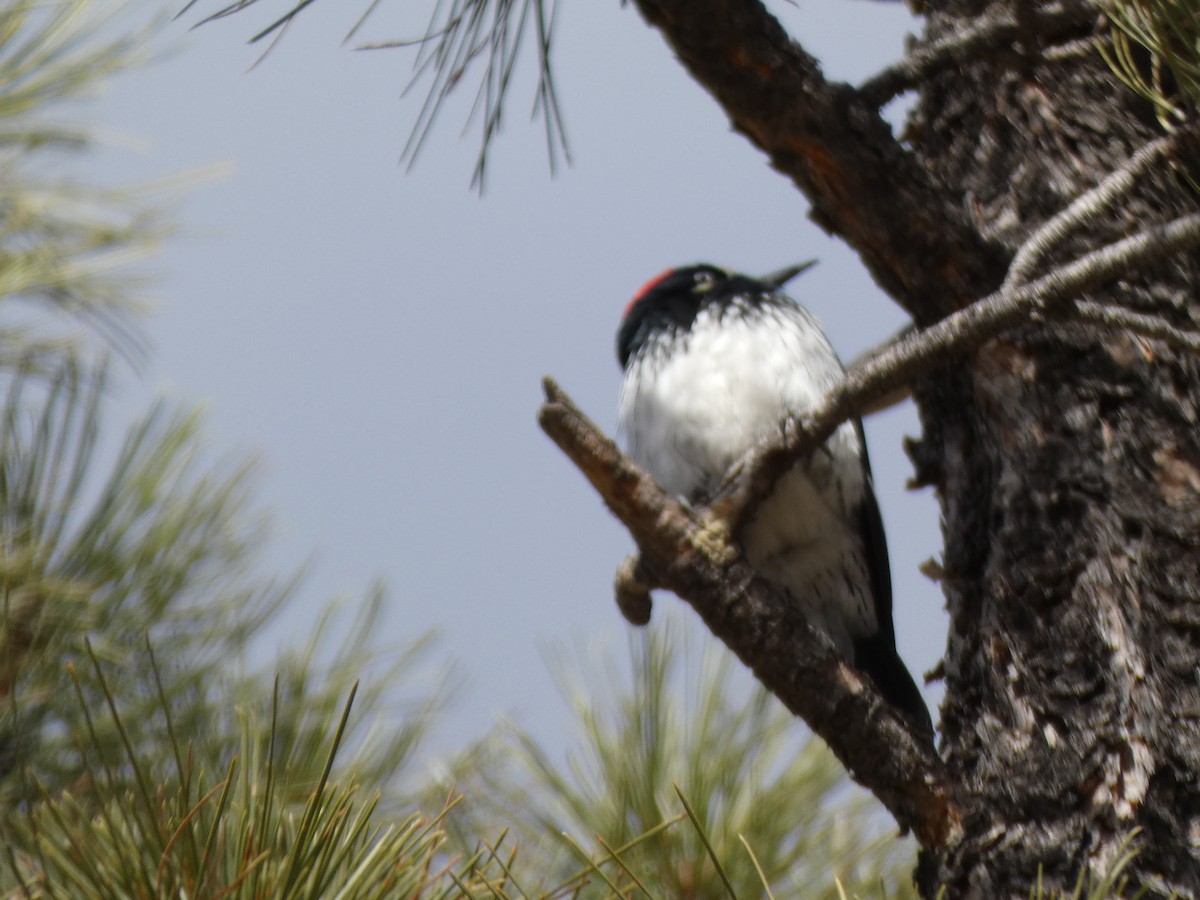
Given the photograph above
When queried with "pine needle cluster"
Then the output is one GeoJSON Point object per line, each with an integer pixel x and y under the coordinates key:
{"type": "Point", "coordinates": [688, 781]}
{"type": "Point", "coordinates": [140, 751]}
{"type": "Point", "coordinates": [1155, 50]}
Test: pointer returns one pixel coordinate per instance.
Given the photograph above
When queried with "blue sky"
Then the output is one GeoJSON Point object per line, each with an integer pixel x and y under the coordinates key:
{"type": "Point", "coordinates": [376, 338]}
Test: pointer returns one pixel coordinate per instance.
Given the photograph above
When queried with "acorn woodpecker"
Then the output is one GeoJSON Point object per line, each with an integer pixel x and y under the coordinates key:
{"type": "Point", "coordinates": [716, 362]}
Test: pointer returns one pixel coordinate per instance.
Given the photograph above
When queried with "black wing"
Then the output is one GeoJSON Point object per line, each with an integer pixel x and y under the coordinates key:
{"type": "Point", "coordinates": [877, 654]}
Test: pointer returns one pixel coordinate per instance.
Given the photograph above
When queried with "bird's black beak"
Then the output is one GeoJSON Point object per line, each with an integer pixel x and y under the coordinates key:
{"type": "Point", "coordinates": [783, 276]}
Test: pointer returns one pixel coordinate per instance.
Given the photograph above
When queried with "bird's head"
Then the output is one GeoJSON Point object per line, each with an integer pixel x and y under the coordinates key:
{"type": "Point", "coordinates": [672, 299]}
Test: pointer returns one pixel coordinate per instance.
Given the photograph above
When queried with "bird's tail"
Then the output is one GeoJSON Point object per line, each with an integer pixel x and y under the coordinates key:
{"type": "Point", "coordinates": [878, 658]}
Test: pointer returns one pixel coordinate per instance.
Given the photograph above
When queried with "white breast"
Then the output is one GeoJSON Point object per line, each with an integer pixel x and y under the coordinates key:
{"type": "Point", "coordinates": [691, 408]}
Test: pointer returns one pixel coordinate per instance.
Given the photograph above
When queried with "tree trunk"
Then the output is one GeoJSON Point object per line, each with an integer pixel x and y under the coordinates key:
{"type": "Point", "coordinates": [1066, 458]}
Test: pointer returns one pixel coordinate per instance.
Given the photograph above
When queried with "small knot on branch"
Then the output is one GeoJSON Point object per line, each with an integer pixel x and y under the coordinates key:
{"type": "Point", "coordinates": [632, 589]}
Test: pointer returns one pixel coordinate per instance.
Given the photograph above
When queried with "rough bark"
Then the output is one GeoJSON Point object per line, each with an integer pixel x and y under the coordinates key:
{"type": "Point", "coordinates": [1067, 463]}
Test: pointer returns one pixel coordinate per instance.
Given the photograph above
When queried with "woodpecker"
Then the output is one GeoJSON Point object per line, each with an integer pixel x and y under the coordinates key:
{"type": "Point", "coordinates": [715, 363]}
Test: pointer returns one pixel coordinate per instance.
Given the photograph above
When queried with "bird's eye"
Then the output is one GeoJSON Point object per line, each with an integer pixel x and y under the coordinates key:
{"type": "Point", "coordinates": [704, 280]}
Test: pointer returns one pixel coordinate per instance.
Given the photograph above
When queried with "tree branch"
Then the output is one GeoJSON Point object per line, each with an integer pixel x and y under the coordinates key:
{"type": "Point", "coordinates": [900, 362]}
{"type": "Point", "coordinates": [1085, 208]}
{"type": "Point", "coordinates": [912, 235]}
{"type": "Point", "coordinates": [632, 588]}
{"type": "Point", "coordinates": [1143, 324]}
{"type": "Point", "coordinates": [689, 552]}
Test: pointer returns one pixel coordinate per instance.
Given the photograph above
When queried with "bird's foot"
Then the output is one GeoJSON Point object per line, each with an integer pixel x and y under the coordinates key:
{"type": "Point", "coordinates": [715, 539]}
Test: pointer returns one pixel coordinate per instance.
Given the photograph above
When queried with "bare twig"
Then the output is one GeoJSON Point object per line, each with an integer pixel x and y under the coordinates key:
{"type": "Point", "coordinates": [895, 395]}
{"type": "Point", "coordinates": [1138, 323]}
{"type": "Point", "coordinates": [900, 363]}
{"type": "Point", "coordinates": [1084, 209]}
{"type": "Point", "coordinates": [1072, 49]}
{"type": "Point", "coordinates": [689, 552]}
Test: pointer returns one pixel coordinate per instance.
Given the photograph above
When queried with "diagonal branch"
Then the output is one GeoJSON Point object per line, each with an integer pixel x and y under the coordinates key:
{"type": "Point", "coordinates": [912, 234]}
{"type": "Point", "coordinates": [1142, 324]}
{"type": "Point", "coordinates": [899, 363]}
{"type": "Point", "coordinates": [689, 552]}
{"type": "Point", "coordinates": [1086, 208]}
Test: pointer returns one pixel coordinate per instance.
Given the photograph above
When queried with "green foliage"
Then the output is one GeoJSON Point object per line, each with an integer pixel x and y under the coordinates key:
{"type": "Point", "coordinates": [63, 244]}
{"type": "Point", "coordinates": [127, 830]}
{"type": "Point", "coordinates": [155, 552]}
{"type": "Point", "coordinates": [159, 547]}
{"type": "Point", "coordinates": [1151, 38]}
{"type": "Point", "coordinates": [177, 771]}
{"type": "Point", "coordinates": [682, 793]}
